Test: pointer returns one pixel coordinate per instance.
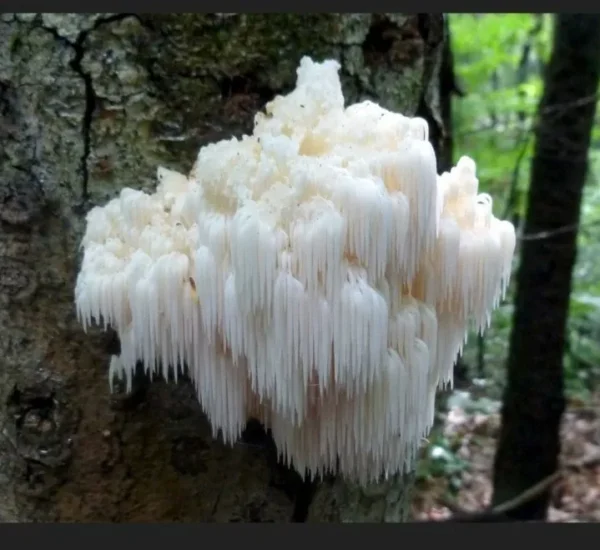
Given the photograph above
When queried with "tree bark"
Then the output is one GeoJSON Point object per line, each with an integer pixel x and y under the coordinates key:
{"type": "Point", "coordinates": [529, 443]}
{"type": "Point", "coordinates": [91, 103]}
{"type": "Point", "coordinates": [449, 88]}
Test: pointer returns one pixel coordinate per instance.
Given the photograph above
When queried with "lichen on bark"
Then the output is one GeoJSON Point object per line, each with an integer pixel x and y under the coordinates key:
{"type": "Point", "coordinates": [90, 103]}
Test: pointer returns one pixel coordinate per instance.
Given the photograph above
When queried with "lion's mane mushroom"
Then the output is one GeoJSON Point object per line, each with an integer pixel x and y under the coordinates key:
{"type": "Point", "coordinates": [317, 275]}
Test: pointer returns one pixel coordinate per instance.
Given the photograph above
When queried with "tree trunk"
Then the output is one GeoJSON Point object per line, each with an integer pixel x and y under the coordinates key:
{"type": "Point", "coordinates": [92, 103]}
{"type": "Point", "coordinates": [534, 401]}
{"type": "Point", "coordinates": [449, 88]}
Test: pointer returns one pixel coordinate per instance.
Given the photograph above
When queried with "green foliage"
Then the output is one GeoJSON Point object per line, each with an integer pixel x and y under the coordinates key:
{"type": "Point", "coordinates": [441, 460]}
{"type": "Point", "coordinates": [446, 455]}
{"type": "Point", "coordinates": [582, 361]}
{"type": "Point", "coordinates": [498, 62]}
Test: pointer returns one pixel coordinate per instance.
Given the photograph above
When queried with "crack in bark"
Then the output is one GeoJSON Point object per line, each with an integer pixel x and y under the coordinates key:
{"type": "Point", "coordinates": [78, 47]}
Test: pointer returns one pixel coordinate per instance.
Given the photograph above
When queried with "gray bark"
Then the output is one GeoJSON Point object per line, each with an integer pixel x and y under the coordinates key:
{"type": "Point", "coordinates": [90, 104]}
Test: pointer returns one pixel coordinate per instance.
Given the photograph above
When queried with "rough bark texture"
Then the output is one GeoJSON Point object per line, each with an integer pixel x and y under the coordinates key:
{"type": "Point", "coordinates": [533, 401]}
{"type": "Point", "coordinates": [92, 103]}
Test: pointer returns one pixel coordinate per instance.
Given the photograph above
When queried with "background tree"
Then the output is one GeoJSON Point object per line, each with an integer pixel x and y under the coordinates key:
{"type": "Point", "coordinates": [533, 402]}
{"type": "Point", "coordinates": [92, 103]}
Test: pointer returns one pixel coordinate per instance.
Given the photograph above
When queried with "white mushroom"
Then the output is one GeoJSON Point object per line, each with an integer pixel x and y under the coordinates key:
{"type": "Point", "coordinates": [318, 274]}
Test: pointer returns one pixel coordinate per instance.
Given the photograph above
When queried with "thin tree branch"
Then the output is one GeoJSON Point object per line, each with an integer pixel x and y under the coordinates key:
{"type": "Point", "coordinates": [516, 124]}
{"type": "Point", "coordinates": [551, 233]}
{"type": "Point", "coordinates": [527, 495]}
{"type": "Point", "coordinates": [499, 512]}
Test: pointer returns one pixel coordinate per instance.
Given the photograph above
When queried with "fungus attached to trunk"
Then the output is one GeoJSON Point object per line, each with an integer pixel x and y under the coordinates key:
{"type": "Point", "coordinates": [317, 275]}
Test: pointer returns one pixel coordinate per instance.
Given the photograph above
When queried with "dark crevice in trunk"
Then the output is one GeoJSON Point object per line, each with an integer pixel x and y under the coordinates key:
{"type": "Point", "coordinates": [299, 490]}
{"type": "Point", "coordinates": [78, 47]}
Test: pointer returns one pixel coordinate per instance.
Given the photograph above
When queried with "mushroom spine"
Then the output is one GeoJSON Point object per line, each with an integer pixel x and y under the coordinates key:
{"type": "Point", "coordinates": [317, 275]}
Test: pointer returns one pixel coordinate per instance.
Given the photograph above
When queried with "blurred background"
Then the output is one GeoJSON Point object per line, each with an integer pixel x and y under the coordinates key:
{"type": "Point", "coordinates": [497, 76]}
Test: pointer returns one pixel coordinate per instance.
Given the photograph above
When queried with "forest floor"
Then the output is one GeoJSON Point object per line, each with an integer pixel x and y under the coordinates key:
{"type": "Point", "coordinates": [467, 450]}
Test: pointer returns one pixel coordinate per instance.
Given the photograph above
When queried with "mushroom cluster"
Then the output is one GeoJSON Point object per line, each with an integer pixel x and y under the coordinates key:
{"type": "Point", "coordinates": [317, 275]}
